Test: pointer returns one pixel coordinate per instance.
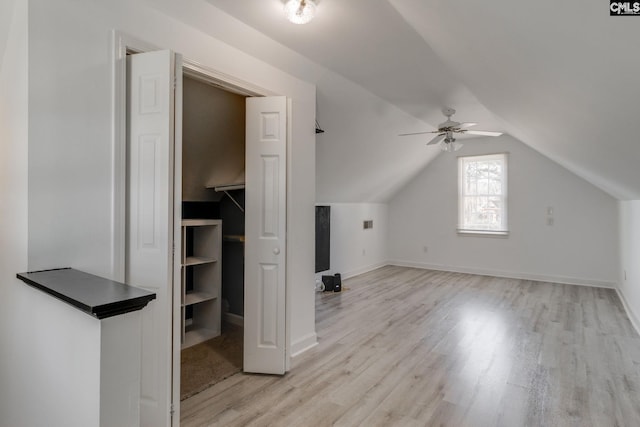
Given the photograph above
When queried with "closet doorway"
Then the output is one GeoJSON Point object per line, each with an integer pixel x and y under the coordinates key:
{"type": "Point", "coordinates": [213, 237]}
{"type": "Point", "coordinates": [159, 247]}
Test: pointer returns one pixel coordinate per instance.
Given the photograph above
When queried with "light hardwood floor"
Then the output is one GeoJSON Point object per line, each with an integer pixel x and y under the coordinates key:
{"type": "Point", "coordinates": [410, 347]}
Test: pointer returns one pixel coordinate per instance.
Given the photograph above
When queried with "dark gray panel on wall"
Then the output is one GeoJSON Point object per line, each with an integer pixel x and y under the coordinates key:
{"type": "Point", "coordinates": [233, 252]}
{"type": "Point", "coordinates": [323, 237]}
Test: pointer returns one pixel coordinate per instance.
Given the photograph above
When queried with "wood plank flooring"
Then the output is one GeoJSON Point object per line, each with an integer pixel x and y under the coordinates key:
{"type": "Point", "coordinates": [411, 347]}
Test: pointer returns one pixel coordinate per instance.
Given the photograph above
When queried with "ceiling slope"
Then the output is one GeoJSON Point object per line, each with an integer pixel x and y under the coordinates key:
{"type": "Point", "coordinates": [360, 157]}
{"type": "Point", "coordinates": [563, 76]}
{"type": "Point", "coordinates": [371, 44]}
{"type": "Point", "coordinates": [559, 76]}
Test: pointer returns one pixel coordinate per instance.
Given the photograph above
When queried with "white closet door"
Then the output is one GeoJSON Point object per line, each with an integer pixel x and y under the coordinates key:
{"type": "Point", "coordinates": [150, 184]}
{"type": "Point", "coordinates": [265, 229]}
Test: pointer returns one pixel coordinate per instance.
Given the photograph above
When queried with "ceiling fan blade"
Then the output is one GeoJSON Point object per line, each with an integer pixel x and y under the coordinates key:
{"type": "Point", "coordinates": [418, 133]}
{"type": "Point", "coordinates": [436, 139]}
{"type": "Point", "coordinates": [467, 125]}
{"type": "Point", "coordinates": [483, 133]}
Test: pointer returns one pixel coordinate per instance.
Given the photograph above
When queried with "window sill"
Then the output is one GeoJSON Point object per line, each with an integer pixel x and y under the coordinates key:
{"type": "Point", "coordinates": [483, 233]}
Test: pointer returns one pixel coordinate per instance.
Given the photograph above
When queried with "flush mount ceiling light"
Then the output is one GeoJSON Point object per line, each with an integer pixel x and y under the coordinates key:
{"type": "Point", "coordinates": [300, 11]}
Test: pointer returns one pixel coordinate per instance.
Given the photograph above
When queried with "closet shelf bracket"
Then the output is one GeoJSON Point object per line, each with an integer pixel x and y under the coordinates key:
{"type": "Point", "coordinates": [234, 200]}
{"type": "Point", "coordinates": [226, 188]}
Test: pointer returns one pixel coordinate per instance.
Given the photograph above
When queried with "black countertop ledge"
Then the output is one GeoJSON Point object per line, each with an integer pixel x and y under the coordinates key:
{"type": "Point", "coordinates": [94, 295]}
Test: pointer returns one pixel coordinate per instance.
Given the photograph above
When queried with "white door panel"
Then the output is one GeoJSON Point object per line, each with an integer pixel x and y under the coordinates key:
{"type": "Point", "coordinates": [149, 261]}
{"type": "Point", "coordinates": [265, 226]}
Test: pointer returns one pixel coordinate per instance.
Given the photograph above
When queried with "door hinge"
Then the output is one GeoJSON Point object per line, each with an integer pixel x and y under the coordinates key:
{"type": "Point", "coordinates": [172, 410]}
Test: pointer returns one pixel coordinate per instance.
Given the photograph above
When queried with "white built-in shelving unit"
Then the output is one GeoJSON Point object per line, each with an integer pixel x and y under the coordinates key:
{"type": "Point", "coordinates": [201, 279]}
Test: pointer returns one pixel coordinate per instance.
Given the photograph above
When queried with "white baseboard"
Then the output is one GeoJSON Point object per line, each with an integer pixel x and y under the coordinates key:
{"type": "Point", "coordinates": [234, 319]}
{"type": "Point", "coordinates": [303, 344]}
{"type": "Point", "coordinates": [506, 274]}
{"type": "Point", "coordinates": [635, 320]}
{"type": "Point", "coordinates": [363, 270]}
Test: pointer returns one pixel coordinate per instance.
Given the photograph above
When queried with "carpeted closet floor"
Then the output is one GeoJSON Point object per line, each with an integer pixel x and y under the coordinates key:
{"type": "Point", "coordinates": [210, 362]}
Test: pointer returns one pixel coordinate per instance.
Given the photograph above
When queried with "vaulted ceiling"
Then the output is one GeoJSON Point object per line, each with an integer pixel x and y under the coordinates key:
{"type": "Point", "coordinates": [562, 77]}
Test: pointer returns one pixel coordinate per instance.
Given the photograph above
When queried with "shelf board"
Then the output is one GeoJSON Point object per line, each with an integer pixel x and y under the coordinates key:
{"type": "Point", "coordinates": [195, 336]}
{"type": "Point", "coordinates": [197, 297]}
{"type": "Point", "coordinates": [200, 222]}
{"type": "Point", "coordinates": [229, 187]}
{"type": "Point", "coordinates": [93, 295]}
{"type": "Point", "coordinates": [226, 186]}
{"type": "Point", "coordinates": [196, 260]}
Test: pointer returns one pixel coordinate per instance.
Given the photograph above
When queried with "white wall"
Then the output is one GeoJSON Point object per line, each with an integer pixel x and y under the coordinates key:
{"type": "Point", "coordinates": [57, 365]}
{"type": "Point", "coordinates": [6, 18]}
{"type": "Point", "coordinates": [355, 250]}
{"type": "Point", "coordinates": [630, 259]}
{"type": "Point", "coordinates": [16, 336]}
{"type": "Point", "coordinates": [213, 148]}
{"type": "Point", "coordinates": [360, 158]}
{"type": "Point", "coordinates": [581, 247]}
{"type": "Point", "coordinates": [119, 391]}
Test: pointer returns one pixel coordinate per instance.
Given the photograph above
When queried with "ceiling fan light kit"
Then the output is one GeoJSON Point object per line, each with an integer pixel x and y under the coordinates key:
{"type": "Point", "coordinates": [300, 11]}
{"type": "Point", "coordinates": [450, 146]}
{"type": "Point", "coordinates": [447, 130]}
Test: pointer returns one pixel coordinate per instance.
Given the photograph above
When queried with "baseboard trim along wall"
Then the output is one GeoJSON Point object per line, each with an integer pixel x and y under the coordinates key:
{"type": "Point", "coordinates": [635, 320]}
{"type": "Point", "coordinates": [305, 343]}
{"type": "Point", "coordinates": [507, 274]}
{"type": "Point", "coordinates": [633, 317]}
{"type": "Point", "coordinates": [234, 319]}
{"type": "Point", "coordinates": [363, 270]}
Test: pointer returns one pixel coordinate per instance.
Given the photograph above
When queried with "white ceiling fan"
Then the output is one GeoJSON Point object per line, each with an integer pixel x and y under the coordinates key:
{"type": "Point", "coordinates": [447, 130]}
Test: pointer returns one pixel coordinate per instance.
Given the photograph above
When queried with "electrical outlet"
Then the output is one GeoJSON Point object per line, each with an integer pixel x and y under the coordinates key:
{"type": "Point", "coordinates": [549, 220]}
{"type": "Point", "coordinates": [364, 252]}
{"type": "Point", "coordinates": [425, 249]}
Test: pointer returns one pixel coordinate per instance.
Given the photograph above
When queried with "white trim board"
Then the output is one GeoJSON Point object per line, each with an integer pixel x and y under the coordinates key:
{"type": "Point", "coordinates": [120, 44]}
{"type": "Point", "coordinates": [363, 270]}
{"type": "Point", "coordinates": [233, 319]}
{"type": "Point", "coordinates": [506, 274]}
{"type": "Point", "coordinates": [633, 318]}
{"type": "Point", "coordinates": [352, 273]}
{"type": "Point", "coordinates": [304, 344]}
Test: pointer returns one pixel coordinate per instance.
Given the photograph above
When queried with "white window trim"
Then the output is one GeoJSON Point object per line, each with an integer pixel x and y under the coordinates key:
{"type": "Point", "coordinates": [485, 233]}
{"type": "Point", "coordinates": [480, 233]}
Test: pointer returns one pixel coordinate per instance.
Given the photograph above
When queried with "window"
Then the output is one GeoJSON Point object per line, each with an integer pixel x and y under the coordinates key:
{"type": "Point", "coordinates": [482, 194]}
